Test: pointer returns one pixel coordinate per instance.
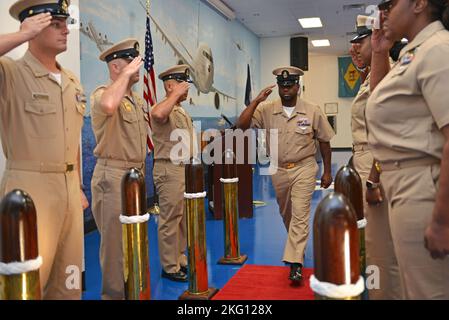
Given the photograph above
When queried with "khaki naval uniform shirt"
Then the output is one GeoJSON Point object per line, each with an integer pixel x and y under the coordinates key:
{"type": "Point", "coordinates": [410, 105]}
{"type": "Point", "coordinates": [297, 134]}
{"type": "Point", "coordinates": [38, 123]}
{"type": "Point", "coordinates": [121, 145]}
{"type": "Point", "coordinates": [40, 130]}
{"type": "Point", "coordinates": [122, 136]}
{"type": "Point", "coordinates": [163, 146]}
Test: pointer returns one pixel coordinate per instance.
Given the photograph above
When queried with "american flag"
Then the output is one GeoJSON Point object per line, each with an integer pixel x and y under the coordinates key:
{"type": "Point", "coordinates": [149, 87]}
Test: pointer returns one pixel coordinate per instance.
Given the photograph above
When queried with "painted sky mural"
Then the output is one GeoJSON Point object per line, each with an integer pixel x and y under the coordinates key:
{"type": "Point", "coordinates": [183, 31]}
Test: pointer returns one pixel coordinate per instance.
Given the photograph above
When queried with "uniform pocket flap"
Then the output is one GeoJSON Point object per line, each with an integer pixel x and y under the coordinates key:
{"type": "Point", "coordinates": [40, 108]}
{"type": "Point", "coordinates": [127, 114]}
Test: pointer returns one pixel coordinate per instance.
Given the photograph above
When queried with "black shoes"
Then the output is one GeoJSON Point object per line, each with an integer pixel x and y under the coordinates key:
{"type": "Point", "coordinates": [295, 272]}
{"type": "Point", "coordinates": [179, 276]}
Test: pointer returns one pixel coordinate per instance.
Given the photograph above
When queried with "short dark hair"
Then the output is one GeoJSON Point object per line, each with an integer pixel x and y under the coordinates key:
{"type": "Point", "coordinates": [440, 11]}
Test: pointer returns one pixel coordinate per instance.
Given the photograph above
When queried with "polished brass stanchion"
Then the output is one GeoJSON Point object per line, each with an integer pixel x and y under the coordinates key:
{"type": "Point", "coordinates": [19, 256]}
{"type": "Point", "coordinates": [136, 268]}
{"type": "Point", "coordinates": [230, 184]}
{"type": "Point", "coordinates": [196, 234]}
{"type": "Point", "coordinates": [349, 183]}
{"type": "Point", "coordinates": [336, 251]}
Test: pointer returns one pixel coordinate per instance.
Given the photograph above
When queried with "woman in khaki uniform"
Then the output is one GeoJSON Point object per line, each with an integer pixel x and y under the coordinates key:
{"type": "Point", "coordinates": [408, 124]}
{"type": "Point", "coordinates": [379, 244]}
{"type": "Point", "coordinates": [41, 114]}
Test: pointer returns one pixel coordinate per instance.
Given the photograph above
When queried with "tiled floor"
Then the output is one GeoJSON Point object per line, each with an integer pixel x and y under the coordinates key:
{"type": "Point", "coordinates": [262, 238]}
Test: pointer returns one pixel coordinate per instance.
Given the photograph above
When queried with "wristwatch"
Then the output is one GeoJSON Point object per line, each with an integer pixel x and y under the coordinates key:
{"type": "Point", "coordinates": [372, 185]}
{"type": "Point", "coordinates": [378, 167]}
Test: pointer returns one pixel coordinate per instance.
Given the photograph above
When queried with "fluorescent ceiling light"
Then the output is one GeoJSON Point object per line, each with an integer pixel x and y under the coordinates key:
{"type": "Point", "coordinates": [321, 43]}
{"type": "Point", "coordinates": [222, 8]}
{"type": "Point", "coordinates": [307, 23]}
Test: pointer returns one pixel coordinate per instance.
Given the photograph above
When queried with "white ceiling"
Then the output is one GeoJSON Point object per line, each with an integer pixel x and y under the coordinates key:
{"type": "Point", "coordinates": [276, 18]}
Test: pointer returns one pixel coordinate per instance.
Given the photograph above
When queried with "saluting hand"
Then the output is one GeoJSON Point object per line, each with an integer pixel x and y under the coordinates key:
{"type": "Point", "coordinates": [379, 42]}
{"type": "Point", "coordinates": [264, 94]}
{"type": "Point", "coordinates": [354, 52]}
{"type": "Point", "coordinates": [181, 89]}
{"type": "Point", "coordinates": [133, 67]}
{"type": "Point", "coordinates": [34, 25]}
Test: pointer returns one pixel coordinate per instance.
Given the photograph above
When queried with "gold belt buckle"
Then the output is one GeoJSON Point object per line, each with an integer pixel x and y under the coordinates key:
{"type": "Point", "coordinates": [290, 166]}
{"type": "Point", "coordinates": [70, 167]}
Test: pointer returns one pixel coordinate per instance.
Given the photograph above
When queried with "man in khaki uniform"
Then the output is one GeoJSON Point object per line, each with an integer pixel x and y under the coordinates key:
{"type": "Point", "coordinates": [41, 111]}
{"type": "Point", "coordinates": [379, 244]}
{"type": "Point", "coordinates": [408, 131]}
{"type": "Point", "coordinates": [119, 126]}
{"type": "Point", "coordinates": [299, 124]}
{"type": "Point", "coordinates": [169, 173]}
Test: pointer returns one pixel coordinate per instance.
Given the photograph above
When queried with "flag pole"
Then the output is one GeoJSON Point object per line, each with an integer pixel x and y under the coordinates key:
{"type": "Point", "coordinates": [155, 209]}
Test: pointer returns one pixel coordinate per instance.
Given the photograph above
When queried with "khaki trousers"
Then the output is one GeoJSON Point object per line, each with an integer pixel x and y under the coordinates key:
{"type": "Point", "coordinates": [57, 199]}
{"type": "Point", "coordinates": [172, 232]}
{"type": "Point", "coordinates": [106, 209]}
{"type": "Point", "coordinates": [411, 193]}
{"type": "Point", "coordinates": [378, 241]}
{"type": "Point", "coordinates": [294, 189]}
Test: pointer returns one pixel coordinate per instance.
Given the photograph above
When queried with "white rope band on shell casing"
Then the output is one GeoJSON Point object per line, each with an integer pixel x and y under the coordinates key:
{"type": "Point", "coordinates": [15, 268]}
{"type": "Point", "coordinates": [200, 195]}
{"type": "Point", "coordinates": [234, 180]}
{"type": "Point", "coordinates": [134, 219]}
{"type": "Point", "coordinates": [333, 291]}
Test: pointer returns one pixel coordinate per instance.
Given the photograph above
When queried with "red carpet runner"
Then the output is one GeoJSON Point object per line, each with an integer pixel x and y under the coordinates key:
{"type": "Point", "coordinates": [265, 283]}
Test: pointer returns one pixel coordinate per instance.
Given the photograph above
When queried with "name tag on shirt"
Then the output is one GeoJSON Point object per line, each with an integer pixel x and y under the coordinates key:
{"type": "Point", "coordinates": [40, 96]}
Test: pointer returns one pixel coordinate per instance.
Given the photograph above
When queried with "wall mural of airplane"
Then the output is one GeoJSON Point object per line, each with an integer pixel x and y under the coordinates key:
{"type": "Point", "coordinates": [201, 65]}
{"type": "Point", "coordinates": [101, 40]}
